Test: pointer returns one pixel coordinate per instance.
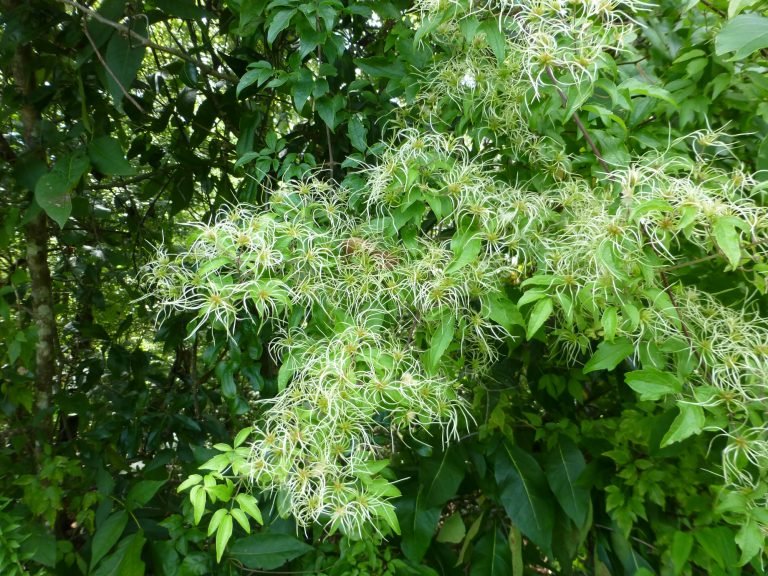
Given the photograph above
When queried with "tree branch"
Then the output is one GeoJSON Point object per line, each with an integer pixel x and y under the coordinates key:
{"type": "Point", "coordinates": [147, 42]}
{"type": "Point", "coordinates": [579, 124]}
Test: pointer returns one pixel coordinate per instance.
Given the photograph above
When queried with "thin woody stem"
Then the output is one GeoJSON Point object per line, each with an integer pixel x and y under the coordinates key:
{"type": "Point", "coordinates": [148, 43]}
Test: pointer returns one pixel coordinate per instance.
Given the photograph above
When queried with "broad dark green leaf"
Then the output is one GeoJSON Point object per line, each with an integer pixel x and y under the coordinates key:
{"type": "Point", "coordinates": [107, 535]}
{"type": "Point", "coordinates": [126, 559]}
{"type": "Point", "coordinates": [525, 494]}
{"type": "Point", "coordinates": [491, 555]}
{"type": "Point", "coordinates": [418, 523]}
{"type": "Point", "coordinates": [124, 56]}
{"type": "Point", "coordinates": [107, 157]}
{"type": "Point", "coordinates": [142, 492]}
{"type": "Point", "coordinates": [266, 550]}
{"type": "Point", "coordinates": [441, 476]}
{"type": "Point", "coordinates": [563, 467]}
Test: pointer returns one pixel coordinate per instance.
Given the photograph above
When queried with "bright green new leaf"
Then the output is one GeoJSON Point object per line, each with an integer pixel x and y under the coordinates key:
{"type": "Point", "coordinates": [689, 422]}
{"type": "Point", "coordinates": [653, 384]}
{"type": "Point", "coordinates": [197, 497]}
{"type": "Point", "coordinates": [242, 436]}
{"type": "Point", "coordinates": [242, 519]}
{"type": "Point", "coordinates": [609, 355]}
{"type": "Point", "coordinates": [223, 534]}
{"type": "Point", "coordinates": [250, 507]}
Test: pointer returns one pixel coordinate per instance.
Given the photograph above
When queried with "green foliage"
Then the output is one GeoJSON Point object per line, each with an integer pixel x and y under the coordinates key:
{"type": "Point", "coordinates": [383, 288]}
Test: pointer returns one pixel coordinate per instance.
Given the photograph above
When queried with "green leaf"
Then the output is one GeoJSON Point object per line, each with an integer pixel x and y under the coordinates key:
{"type": "Point", "coordinates": [107, 535]}
{"type": "Point", "coordinates": [126, 559]}
{"type": "Point", "coordinates": [453, 530]}
{"type": "Point", "coordinates": [381, 67]}
{"type": "Point", "coordinates": [52, 189]}
{"type": "Point", "coordinates": [491, 555]}
{"type": "Point", "coordinates": [563, 466]}
{"type": "Point", "coordinates": [682, 544]}
{"type": "Point", "coordinates": [357, 133]}
{"type": "Point", "coordinates": [242, 436]}
{"type": "Point", "coordinates": [216, 519]}
{"type": "Point", "coordinates": [728, 239]}
{"type": "Point", "coordinates": [197, 497]}
{"type": "Point", "coordinates": [689, 422]}
{"type": "Point", "coordinates": [653, 384]}
{"type": "Point", "coordinates": [189, 482]}
{"type": "Point", "coordinates": [441, 339]}
{"type": "Point", "coordinates": [609, 355]}
{"type": "Point", "coordinates": [223, 534]}
{"type": "Point", "coordinates": [248, 504]}
{"type": "Point", "coordinates": [441, 476]}
{"type": "Point", "coordinates": [465, 251]}
{"type": "Point", "coordinates": [610, 322]}
{"type": "Point", "coordinates": [107, 157]}
{"type": "Point", "coordinates": [267, 551]}
{"type": "Point", "coordinates": [124, 57]}
{"type": "Point", "coordinates": [387, 512]}
{"type": "Point", "coordinates": [502, 311]}
{"type": "Point", "coordinates": [242, 519]}
{"type": "Point", "coordinates": [525, 494]}
{"type": "Point", "coordinates": [142, 492]}
{"type": "Point", "coordinates": [539, 315]}
{"type": "Point", "coordinates": [745, 34]}
{"type": "Point", "coordinates": [418, 523]}
{"type": "Point", "coordinates": [279, 22]}
{"type": "Point", "coordinates": [719, 543]}
{"type": "Point", "coordinates": [750, 540]}
{"type": "Point", "coordinates": [637, 87]}
{"type": "Point", "coordinates": [328, 107]}
{"type": "Point", "coordinates": [302, 88]}
{"type": "Point", "coordinates": [258, 73]}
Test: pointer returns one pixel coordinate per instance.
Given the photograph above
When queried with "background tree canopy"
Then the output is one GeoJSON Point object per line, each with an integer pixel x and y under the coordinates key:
{"type": "Point", "coordinates": [370, 287]}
